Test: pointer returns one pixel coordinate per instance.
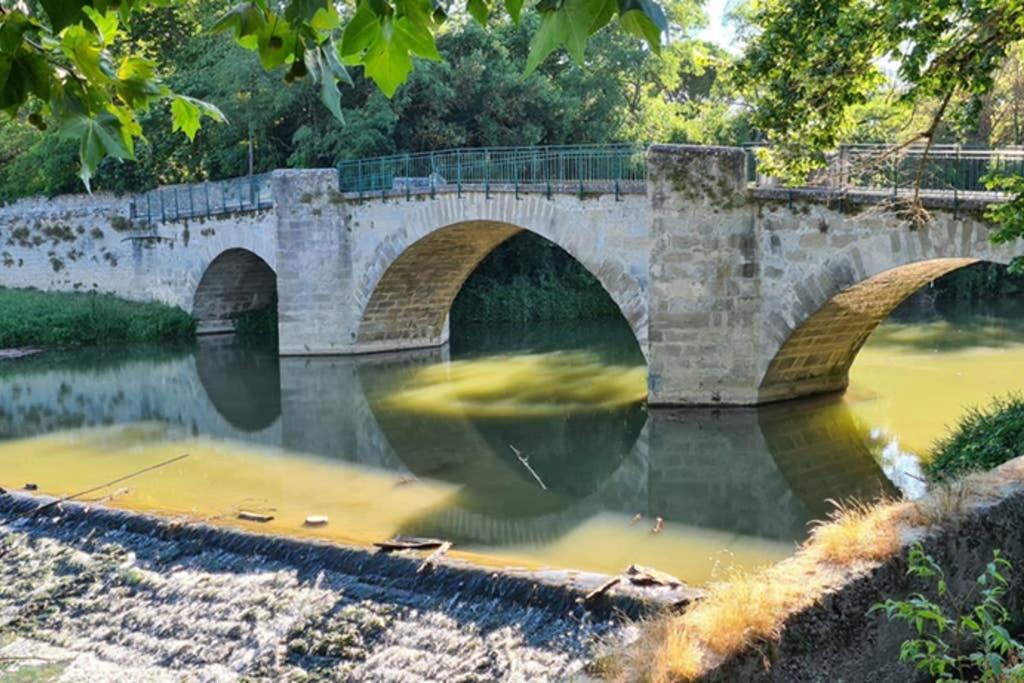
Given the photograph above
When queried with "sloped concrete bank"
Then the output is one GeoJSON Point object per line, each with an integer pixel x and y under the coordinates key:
{"type": "Point", "coordinates": [98, 594]}
{"type": "Point", "coordinates": [838, 639]}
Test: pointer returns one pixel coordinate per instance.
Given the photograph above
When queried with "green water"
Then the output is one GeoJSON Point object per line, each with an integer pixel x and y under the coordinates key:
{"type": "Point", "coordinates": [529, 447]}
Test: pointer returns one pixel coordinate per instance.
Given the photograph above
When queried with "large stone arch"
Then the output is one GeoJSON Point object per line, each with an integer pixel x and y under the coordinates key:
{"type": "Point", "coordinates": [235, 282]}
{"type": "Point", "coordinates": [411, 276]}
{"type": "Point", "coordinates": [813, 333]}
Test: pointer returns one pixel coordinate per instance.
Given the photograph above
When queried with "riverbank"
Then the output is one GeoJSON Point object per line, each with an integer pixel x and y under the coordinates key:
{"type": "Point", "coordinates": [31, 318]}
{"type": "Point", "coordinates": [88, 593]}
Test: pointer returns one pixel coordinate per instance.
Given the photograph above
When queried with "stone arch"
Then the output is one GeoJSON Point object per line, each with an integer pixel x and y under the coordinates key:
{"type": "Point", "coordinates": [235, 282]}
{"type": "Point", "coordinates": [845, 277]}
{"type": "Point", "coordinates": [419, 275]}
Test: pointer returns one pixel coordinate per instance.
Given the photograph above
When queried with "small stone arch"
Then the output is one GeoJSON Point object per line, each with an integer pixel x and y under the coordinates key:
{"type": "Point", "coordinates": [235, 282]}
{"type": "Point", "coordinates": [410, 302]}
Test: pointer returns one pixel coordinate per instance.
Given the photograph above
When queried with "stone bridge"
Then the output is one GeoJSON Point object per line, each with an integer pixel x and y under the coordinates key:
{"type": "Point", "coordinates": [737, 295]}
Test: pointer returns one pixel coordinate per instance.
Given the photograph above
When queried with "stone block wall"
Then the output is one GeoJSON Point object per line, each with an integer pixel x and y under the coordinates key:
{"type": "Point", "coordinates": [91, 244]}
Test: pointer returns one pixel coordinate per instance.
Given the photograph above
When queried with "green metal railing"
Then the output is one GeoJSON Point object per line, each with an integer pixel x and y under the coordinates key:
{"type": "Point", "coordinates": [577, 169]}
{"type": "Point", "coordinates": [952, 169]}
{"type": "Point", "coordinates": [203, 200]}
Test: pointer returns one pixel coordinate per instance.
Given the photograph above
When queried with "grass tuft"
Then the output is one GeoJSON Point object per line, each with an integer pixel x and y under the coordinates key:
{"type": "Point", "coordinates": [982, 439]}
{"type": "Point", "coordinates": [29, 317]}
{"type": "Point", "coordinates": [857, 531]}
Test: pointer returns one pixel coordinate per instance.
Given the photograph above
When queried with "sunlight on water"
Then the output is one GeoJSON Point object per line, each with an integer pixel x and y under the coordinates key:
{"type": "Point", "coordinates": [218, 480]}
{"type": "Point", "coordinates": [913, 381]}
{"type": "Point", "coordinates": [528, 385]}
{"type": "Point", "coordinates": [534, 458]}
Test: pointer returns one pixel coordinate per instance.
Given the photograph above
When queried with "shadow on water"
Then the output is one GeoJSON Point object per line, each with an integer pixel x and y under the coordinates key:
{"type": "Point", "coordinates": [954, 326]}
{"type": "Point", "coordinates": [519, 478]}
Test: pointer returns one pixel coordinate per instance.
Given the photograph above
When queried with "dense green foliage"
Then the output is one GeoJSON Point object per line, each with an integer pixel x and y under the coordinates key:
{"type": "Point", "coordinates": [977, 284]}
{"type": "Point", "coordinates": [75, 63]}
{"type": "Point", "coordinates": [34, 318]}
{"type": "Point", "coordinates": [476, 96]}
{"type": "Point", "coordinates": [258, 326]}
{"type": "Point", "coordinates": [528, 278]}
{"type": "Point", "coordinates": [983, 439]}
{"type": "Point", "coordinates": [963, 638]}
{"type": "Point", "coordinates": [810, 65]}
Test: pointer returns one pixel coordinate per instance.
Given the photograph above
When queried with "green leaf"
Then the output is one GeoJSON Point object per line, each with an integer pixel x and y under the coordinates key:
{"type": "Point", "coordinates": [326, 19]}
{"type": "Point", "coordinates": [478, 10]}
{"type": "Point", "coordinates": [363, 29]}
{"type": "Point", "coordinates": [244, 19]}
{"type": "Point", "coordinates": [275, 43]}
{"type": "Point", "coordinates": [319, 62]}
{"type": "Point", "coordinates": [568, 26]}
{"type": "Point", "coordinates": [100, 137]}
{"type": "Point", "coordinates": [514, 9]}
{"type": "Point", "coordinates": [418, 38]}
{"type": "Point", "coordinates": [187, 113]}
{"type": "Point", "coordinates": [12, 29]}
{"type": "Point", "coordinates": [63, 13]}
{"type": "Point", "coordinates": [387, 61]}
{"type": "Point", "coordinates": [640, 25]}
{"type": "Point", "coordinates": [106, 25]}
{"type": "Point", "coordinates": [303, 11]}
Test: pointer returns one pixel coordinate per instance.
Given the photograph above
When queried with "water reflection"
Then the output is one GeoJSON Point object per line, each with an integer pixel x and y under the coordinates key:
{"type": "Point", "coordinates": [558, 486]}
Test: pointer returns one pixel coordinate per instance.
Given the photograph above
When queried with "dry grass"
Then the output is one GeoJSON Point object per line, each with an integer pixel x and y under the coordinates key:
{"type": "Point", "coordinates": [751, 607]}
{"type": "Point", "coordinates": [856, 532]}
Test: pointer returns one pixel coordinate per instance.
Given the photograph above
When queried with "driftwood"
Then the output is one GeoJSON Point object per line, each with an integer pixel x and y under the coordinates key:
{"type": "Point", "coordinates": [250, 516]}
{"type": "Point", "coordinates": [410, 543]}
{"type": "Point", "coordinates": [316, 520]}
{"type": "Point", "coordinates": [525, 462]}
{"type": "Point", "coordinates": [434, 557]}
{"type": "Point", "coordinates": [659, 524]}
{"type": "Point", "coordinates": [646, 576]}
{"type": "Point", "coordinates": [31, 487]}
{"type": "Point", "coordinates": [602, 589]}
{"type": "Point", "coordinates": [110, 483]}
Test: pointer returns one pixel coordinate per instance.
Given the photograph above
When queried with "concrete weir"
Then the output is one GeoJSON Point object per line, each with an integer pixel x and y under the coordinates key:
{"type": "Point", "coordinates": [122, 596]}
{"type": "Point", "coordinates": [736, 295]}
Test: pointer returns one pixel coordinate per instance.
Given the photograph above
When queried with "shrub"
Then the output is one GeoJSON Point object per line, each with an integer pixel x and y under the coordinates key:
{"type": "Point", "coordinates": [956, 640]}
{"type": "Point", "coordinates": [33, 318]}
{"type": "Point", "coordinates": [982, 439]}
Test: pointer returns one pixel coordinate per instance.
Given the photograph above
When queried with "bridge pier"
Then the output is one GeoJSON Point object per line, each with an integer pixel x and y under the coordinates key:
{"type": "Point", "coordinates": [705, 278]}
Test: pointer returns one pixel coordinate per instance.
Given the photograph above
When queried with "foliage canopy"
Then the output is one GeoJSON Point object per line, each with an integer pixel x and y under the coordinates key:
{"type": "Point", "coordinates": [70, 62]}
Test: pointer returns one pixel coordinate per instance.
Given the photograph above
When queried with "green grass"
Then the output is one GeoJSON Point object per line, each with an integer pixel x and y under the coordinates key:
{"type": "Point", "coordinates": [32, 318]}
{"type": "Point", "coordinates": [982, 439]}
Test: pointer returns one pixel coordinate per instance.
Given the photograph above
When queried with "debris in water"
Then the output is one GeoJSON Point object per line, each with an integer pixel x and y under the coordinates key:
{"type": "Point", "coordinates": [404, 479]}
{"type": "Point", "coordinates": [316, 520]}
{"type": "Point", "coordinates": [410, 543]}
{"type": "Point", "coordinates": [646, 576]}
{"type": "Point", "coordinates": [525, 461]}
{"type": "Point", "coordinates": [636, 519]}
{"type": "Point", "coordinates": [31, 487]}
{"type": "Point", "coordinates": [254, 516]}
{"type": "Point", "coordinates": [601, 590]}
{"type": "Point", "coordinates": [434, 557]}
{"type": "Point", "coordinates": [659, 524]}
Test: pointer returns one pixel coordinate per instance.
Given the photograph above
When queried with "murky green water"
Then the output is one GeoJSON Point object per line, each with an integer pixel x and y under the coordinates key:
{"type": "Point", "coordinates": [525, 447]}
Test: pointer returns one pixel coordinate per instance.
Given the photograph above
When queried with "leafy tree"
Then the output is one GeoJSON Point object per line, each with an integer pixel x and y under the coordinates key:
{"type": "Point", "coordinates": [70, 62]}
{"type": "Point", "coordinates": [813, 68]}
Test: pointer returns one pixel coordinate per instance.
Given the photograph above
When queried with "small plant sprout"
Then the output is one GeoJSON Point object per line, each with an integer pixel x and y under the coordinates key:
{"type": "Point", "coordinates": [963, 639]}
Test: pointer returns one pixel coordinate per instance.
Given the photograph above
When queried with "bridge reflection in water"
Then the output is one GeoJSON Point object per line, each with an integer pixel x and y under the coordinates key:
{"type": "Point", "coordinates": [543, 486]}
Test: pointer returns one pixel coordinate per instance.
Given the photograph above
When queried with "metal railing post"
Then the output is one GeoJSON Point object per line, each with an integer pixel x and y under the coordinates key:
{"type": "Point", "coordinates": [487, 175]}
{"type": "Point", "coordinates": [433, 191]}
{"type": "Point", "coordinates": [408, 178]}
{"type": "Point", "coordinates": [191, 204]}
{"type": "Point", "coordinates": [206, 191]}
{"type": "Point", "coordinates": [458, 171]}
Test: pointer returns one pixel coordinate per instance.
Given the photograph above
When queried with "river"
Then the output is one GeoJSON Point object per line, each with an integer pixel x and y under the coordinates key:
{"type": "Point", "coordinates": [526, 447]}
